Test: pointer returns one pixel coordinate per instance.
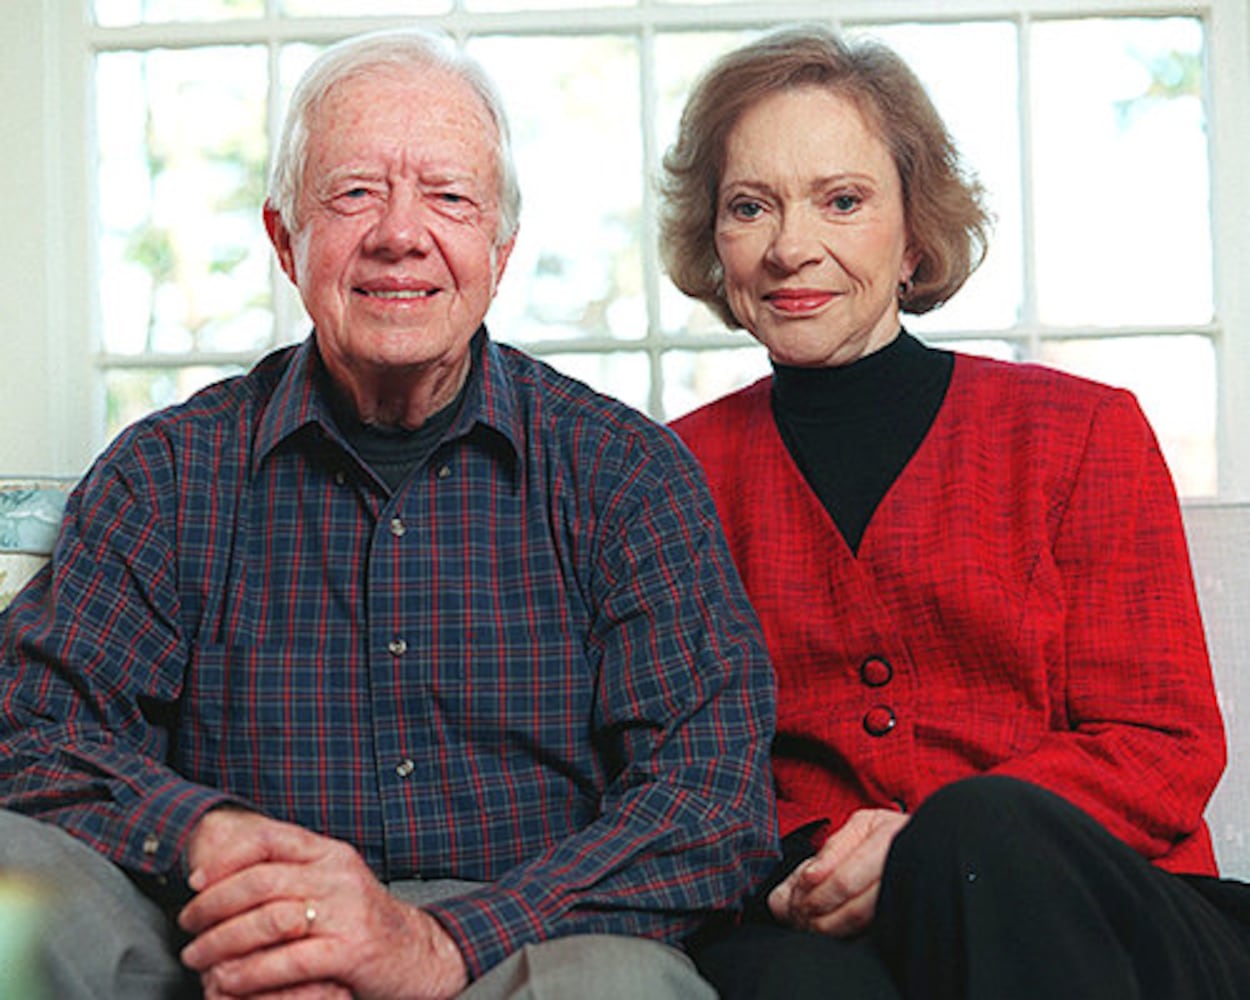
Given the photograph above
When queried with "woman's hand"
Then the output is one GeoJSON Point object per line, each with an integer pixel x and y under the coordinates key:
{"type": "Point", "coordinates": [835, 892]}
{"type": "Point", "coordinates": [282, 911]}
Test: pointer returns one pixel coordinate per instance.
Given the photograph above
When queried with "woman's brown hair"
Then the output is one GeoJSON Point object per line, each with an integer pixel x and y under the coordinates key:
{"type": "Point", "coordinates": [946, 219]}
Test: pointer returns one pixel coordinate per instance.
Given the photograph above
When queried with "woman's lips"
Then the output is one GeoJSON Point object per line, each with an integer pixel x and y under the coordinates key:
{"type": "Point", "coordinates": [798, 300]}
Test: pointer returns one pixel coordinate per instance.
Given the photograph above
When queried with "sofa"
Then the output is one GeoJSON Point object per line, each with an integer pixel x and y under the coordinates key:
{"type": "Point", "coordinates": [1219, 541]}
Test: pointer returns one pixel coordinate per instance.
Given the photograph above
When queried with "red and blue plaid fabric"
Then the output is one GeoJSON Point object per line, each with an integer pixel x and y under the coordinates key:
{"type": "Point", "coordinates": [533, 664]}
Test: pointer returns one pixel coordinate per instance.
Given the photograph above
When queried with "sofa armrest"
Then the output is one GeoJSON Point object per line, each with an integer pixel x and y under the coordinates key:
{"type": "Point", "coordinates": [1219, 548]}
{"type": "Point", "coordinates": [30, 516]}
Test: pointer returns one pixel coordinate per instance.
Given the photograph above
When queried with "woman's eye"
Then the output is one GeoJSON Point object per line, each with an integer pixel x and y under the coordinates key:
{"type": "Point", "coordinates": [746, 209]}
{"type": "Point", "coordinates": [845, 202]}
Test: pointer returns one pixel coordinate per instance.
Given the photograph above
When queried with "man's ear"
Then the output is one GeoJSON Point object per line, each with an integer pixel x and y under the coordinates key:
{"type": "Point", "coordinates": [502, 253]}
{"type": "Point", "coordinates": [280, 237]}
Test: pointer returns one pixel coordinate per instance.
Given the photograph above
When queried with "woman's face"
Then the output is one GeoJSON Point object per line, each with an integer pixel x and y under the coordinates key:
{"type": "Point", "coordinates": [810, 229]}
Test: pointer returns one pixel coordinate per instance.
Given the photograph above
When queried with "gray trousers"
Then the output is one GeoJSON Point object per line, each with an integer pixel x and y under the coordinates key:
{"type": "Point", "coordinates": [102, 939]}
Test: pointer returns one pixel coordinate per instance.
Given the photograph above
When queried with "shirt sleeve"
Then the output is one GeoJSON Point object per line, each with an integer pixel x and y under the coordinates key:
{"type": "Point", "coordinates": [1144, 746]}
{"type": "Point", "coordinates": [684, 720]}
{"type": "Point", "coordinates": [92, 656]}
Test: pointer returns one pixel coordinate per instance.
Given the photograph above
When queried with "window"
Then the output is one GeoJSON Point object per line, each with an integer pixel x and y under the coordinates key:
{"type": "Point", "coordinates": [1106, 142]}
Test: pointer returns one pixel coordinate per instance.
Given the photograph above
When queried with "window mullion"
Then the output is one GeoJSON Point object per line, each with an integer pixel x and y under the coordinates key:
{"type": "Point", "coordinates": [1028, 201]}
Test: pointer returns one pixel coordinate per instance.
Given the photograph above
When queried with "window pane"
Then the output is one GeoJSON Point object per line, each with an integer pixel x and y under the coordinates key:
{"type": "Point", "coordinates": [970, 71]}
{"type": "Point", "coordinates": [999, 350]}
{"type": "Point", "coordinates": [363, 8]}
{"type": "Point", "coordinates": [624, 375]}
{"type": "Point", "coordinates": [184, 262]}
{"type": "Point", "coordinates": [692, 378]}
{"type": "Point", "coordinates": [680, 56]}
{"type": "Point", "coordinates": [1174, 379]}
{"type": "Point", "coordinates": [132, 392]}
{"type": "Point", "coordinates": [576, 270]}
{"type": "Point", "coordinates": [520, 5]}
{"type": "Point", "coordinates": [1123, 227]}
{"type": "Point", "coordinates": [116, 12]}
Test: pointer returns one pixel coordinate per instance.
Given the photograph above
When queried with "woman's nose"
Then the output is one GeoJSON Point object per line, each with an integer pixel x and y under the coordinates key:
{"type": "Point", "coordinates": [796, 241]}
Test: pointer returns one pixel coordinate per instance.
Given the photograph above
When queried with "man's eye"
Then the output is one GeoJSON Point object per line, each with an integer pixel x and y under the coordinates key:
{"type": "Point", "coordinates": [351, 198]}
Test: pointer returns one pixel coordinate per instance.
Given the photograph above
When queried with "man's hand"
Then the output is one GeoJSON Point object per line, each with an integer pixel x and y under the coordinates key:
{"type": "Point", "coordinates": [835, 892]}
{"type": "Point", "coordinates": [282, 911]}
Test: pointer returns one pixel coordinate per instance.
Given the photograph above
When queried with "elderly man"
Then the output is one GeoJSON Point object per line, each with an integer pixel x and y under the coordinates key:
{"type": "Point", "coordinates": [401, 666]}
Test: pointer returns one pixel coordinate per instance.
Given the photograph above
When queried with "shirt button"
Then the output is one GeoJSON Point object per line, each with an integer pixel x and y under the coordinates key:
{"type": "Point", "coordinates": [876, 672]}
{"type": "Point", "coordinates": [405, 767]}
{"type": "Point", "coordinates": [340, 478]}
{"type": "Point", "coordinates": [151, 844]}
{"type": "Point", "coordinates": [879, 720]}
{"type": "Point", "coordinates": [397, 647]}
{"type": "Point", "coordinates": [397, 527]}
{"type": "Point", "coordinates": [444, 471]}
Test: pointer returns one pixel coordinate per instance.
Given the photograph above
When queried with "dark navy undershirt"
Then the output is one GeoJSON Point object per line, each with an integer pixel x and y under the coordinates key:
{"type": "Point", "coordinates": [393, 452]}
{"type": "Point", "coordinates": [852, 429]}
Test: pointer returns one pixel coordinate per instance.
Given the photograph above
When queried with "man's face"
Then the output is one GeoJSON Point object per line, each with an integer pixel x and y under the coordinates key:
{"type": "Point", "coordinates": [394, 247]}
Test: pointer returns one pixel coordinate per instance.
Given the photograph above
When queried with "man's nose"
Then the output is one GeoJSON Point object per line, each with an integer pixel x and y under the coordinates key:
{"type": "Point", "coordinates": [402, 228]}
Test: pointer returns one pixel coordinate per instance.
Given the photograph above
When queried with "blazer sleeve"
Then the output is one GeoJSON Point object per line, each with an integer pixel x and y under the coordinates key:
{"type": "Point", "coordinates": [1144, 746]}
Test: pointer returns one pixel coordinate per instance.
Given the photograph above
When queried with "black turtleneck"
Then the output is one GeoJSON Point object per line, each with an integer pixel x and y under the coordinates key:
{"type": "Point", "coordinates": [851, 430]}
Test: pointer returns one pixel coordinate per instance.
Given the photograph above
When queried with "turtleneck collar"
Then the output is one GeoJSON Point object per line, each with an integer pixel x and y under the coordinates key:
{"type": "Point", "coordinates": [873, 383]}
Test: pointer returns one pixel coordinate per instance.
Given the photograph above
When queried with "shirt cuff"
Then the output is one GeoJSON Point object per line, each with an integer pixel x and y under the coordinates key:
{"type": "Point", "coordinates": [488, 925]}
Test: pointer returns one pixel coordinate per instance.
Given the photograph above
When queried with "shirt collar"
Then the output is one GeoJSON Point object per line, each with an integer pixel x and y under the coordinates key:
{"type": "Point", "coordinates": [300, 401]}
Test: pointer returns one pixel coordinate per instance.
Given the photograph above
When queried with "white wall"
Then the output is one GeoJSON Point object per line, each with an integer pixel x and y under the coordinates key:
{"type": "Point", "coordinates": [43, 291]}
{"type": "Point", "coordinates": [24, 361]}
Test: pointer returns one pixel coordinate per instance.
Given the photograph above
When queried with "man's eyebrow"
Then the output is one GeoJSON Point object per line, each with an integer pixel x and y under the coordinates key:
{"type": "Point", "coordinates": [335, 177]}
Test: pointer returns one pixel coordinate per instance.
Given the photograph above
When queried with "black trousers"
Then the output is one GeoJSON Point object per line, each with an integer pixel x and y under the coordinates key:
{"type": "Point", "coordinates": [1000, 890]}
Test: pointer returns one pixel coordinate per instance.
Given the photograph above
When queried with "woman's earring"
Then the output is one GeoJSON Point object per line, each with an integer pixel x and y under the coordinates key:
{"type": "Point", "coordinates": [906, 287]}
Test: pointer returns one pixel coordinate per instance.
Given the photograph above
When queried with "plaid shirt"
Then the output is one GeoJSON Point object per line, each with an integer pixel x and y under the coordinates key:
{"type": "Point", "coordinates": [533, 665]}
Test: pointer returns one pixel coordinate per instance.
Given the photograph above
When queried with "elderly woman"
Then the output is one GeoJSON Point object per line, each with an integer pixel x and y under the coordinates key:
{"type": "Point", "coordinates": [997, 727]}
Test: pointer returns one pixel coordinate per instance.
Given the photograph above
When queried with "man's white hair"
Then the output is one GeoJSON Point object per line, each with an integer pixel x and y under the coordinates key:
{"type": "Point", "coordinates": [355, 57]}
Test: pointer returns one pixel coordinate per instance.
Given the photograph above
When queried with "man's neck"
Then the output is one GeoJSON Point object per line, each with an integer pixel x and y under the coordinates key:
{"type": "Point", "coordinates": [406, 398]}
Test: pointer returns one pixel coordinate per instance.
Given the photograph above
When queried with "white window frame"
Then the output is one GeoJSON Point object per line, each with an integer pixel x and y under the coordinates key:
{"type": "Point", "coordinates": [51, 376]}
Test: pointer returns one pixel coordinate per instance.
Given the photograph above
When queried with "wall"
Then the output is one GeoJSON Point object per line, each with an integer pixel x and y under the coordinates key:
{"type": "Point", "coordinates": [43, 305]}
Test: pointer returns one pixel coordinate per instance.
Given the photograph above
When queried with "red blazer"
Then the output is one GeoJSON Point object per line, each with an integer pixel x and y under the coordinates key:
{"type": "Point", "coordinates": [1021, 604]}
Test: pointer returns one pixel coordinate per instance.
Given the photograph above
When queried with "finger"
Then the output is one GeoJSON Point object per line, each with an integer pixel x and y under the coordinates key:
{"type": "Point", "coordinates": [286, 969]}
{"type": "Point", "coordinates": [229, 841]}
{"type": "Point", "coordinates": [779, 899]}
{"type": "Point", "coordinates": [301, 991]}
{"type": "Point", "coordinates": [247, 890]}
{"type": "Point", "coordinates": [864, 827]}
{"type": "Point", "coordinates": [851, 918]}
{"type": "Point", "coordinates": [853, 858]}
{"type": "Point", "coordinates": [305, 991]}
{"type": "Point", "coordinates": [258, 929]}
